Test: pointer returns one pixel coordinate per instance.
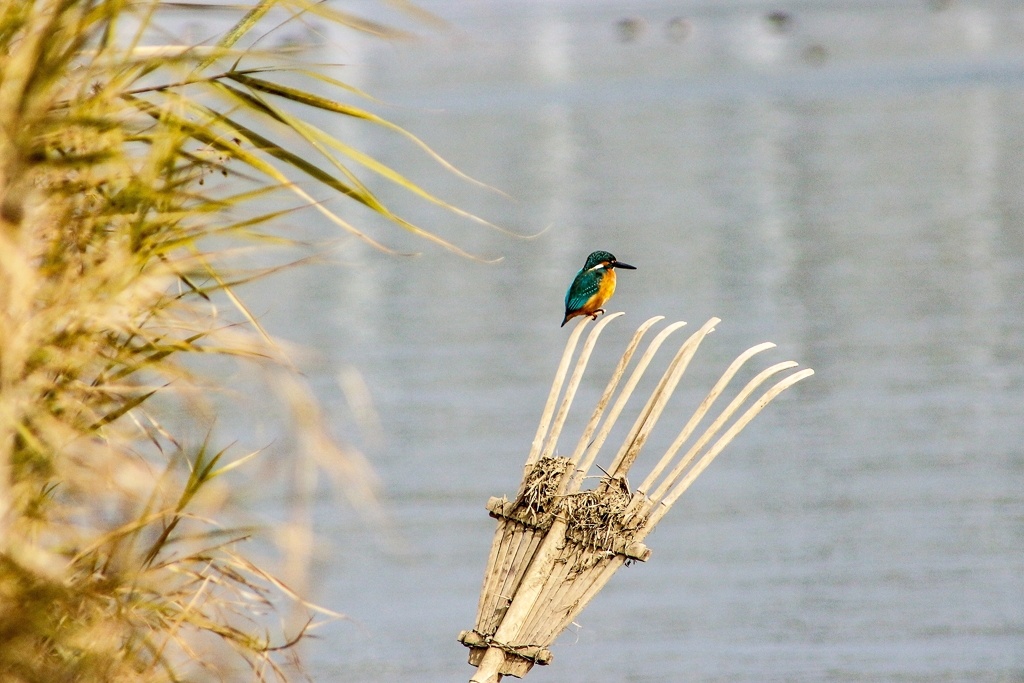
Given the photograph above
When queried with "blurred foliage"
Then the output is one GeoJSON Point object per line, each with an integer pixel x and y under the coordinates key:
{"type": "Point", "coordinates": [112, 566]}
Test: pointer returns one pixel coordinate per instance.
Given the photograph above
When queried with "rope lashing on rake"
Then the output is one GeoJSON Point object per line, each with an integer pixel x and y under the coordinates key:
{"type": "Point", "coordinates": [556, 546]}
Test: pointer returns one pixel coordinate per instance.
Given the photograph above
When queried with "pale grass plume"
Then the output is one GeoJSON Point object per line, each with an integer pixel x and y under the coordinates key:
{"type": "Point", "coordinates": [122, 555]}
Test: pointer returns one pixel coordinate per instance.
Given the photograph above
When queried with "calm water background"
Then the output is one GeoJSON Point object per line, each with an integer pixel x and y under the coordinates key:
{"type": "Point", "coordinates": [849, 185]}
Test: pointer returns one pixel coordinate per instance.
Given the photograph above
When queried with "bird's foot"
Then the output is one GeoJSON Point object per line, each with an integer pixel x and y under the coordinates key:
{"type": "Point", "coordinates": [593, 316]}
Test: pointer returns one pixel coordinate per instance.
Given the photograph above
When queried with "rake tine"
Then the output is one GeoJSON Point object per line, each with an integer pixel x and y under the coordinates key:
{"type": "Point", "coordinates": [605, 398]}
{"type": "Point", "coordinates": [711, 431]}
{"type": "Point", "coordinates": [556, 388]}
{"type": "Point", "coordinates": [648, 418]}
{"type": "Point", "coordinates": [620, 403]}
{"type": "Point", "coordinates": [724, 441]}
{"type": "Point", "coordinates": [574, 383]}
{"type": "Point", "coordinates": [702, 410]}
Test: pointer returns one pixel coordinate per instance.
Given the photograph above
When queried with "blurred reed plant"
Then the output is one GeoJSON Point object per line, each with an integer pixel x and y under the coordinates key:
{"type": "Point", "coordinates": [114, 270]}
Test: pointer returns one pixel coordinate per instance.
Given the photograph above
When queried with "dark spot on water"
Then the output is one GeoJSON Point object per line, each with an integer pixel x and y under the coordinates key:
{"type": "Point", "coordinates": [678, 29]}
{"type": "Point", "coordinates": [631, 28]}
{"type": "Point", "coordinates": [780, 21]}
{"type": "Point", "coordinates": [815, 54]}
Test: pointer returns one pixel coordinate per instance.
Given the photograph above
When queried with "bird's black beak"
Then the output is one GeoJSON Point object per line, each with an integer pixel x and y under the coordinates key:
{"type": "Point", "coordinates": [620, 264]}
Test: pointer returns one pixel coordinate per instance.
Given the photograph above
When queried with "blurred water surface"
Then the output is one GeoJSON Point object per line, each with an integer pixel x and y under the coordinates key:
{"type": "Point", "coordinates": [844, 180]}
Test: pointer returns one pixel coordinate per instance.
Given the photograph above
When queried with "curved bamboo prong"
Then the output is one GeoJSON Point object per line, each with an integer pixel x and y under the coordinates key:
{"type": "Point", "coordinates": [556, 389]}
{"type": "Point", "coordinates": [574, 384]}
{"type": "Point", "coordinates": [711, 431]}
{"type": "Point", "coordinates": [595, 417]}
{"type": "Point", "coordinates": [701, 411]}
{"type": "Point", "coordinates": [620, 402]}
{"type": "Point", "coordinates": [649, 416]}
{"type": "Point", "coordinates": [729, 435]}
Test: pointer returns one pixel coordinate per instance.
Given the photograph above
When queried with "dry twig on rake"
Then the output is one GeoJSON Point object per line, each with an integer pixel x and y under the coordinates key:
{"type": "Point", "coordinates": [556, 546]}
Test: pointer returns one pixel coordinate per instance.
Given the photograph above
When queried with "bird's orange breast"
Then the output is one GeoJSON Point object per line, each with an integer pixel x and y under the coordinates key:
{"type": "Point", "coordinates": [604, 292]}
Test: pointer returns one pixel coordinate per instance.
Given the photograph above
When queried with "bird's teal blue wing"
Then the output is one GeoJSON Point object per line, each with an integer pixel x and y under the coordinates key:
{"type": "Point", "coordinates": [583, 287]}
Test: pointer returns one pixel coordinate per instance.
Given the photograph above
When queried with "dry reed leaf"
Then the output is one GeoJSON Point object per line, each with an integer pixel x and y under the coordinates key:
{"type": "Point", "coordinates": [120, 545]}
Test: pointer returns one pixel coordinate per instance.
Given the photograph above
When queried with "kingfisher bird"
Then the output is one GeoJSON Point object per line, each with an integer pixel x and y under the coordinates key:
{"type": "Point", "coordinates": [592, 286]}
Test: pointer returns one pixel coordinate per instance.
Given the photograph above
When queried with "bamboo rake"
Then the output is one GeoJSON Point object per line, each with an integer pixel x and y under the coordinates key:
{"type": "Point", "coordinates": [556, 545]}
